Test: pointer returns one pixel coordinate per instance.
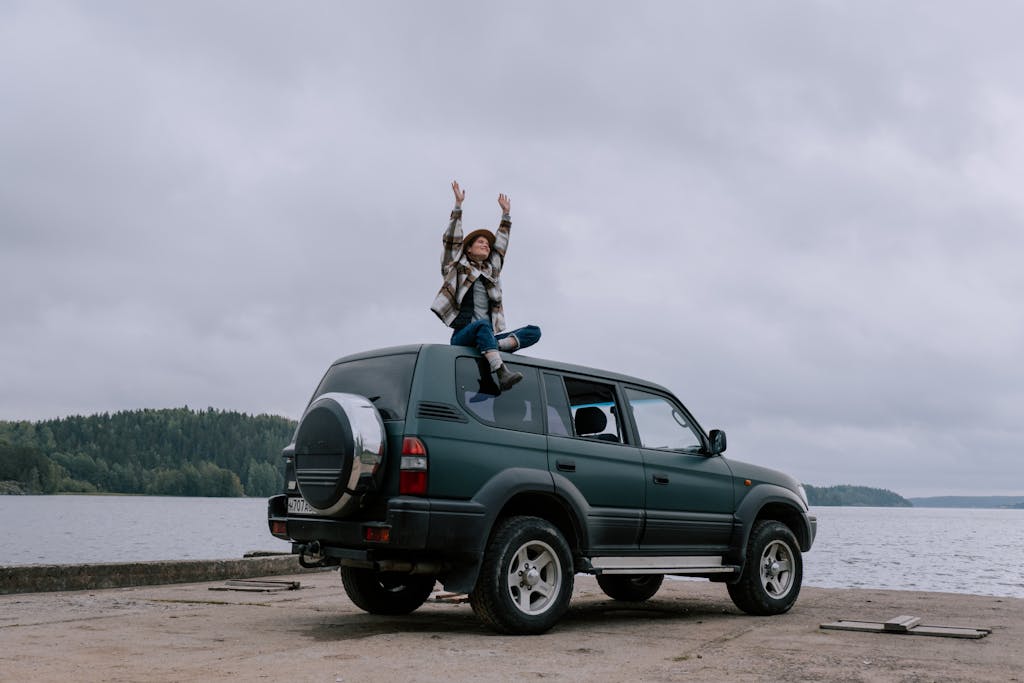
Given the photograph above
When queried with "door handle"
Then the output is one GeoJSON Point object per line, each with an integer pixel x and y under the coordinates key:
{"type": "Point", "coordinates": [660, 479]}
{"type": "Point", "coordinates": [565, 465]}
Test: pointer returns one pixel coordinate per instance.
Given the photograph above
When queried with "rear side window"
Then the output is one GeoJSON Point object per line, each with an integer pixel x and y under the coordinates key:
{"type": "Point", "coordinates": [559, 417]}
{"type": "Point", "coordinates": [385, 381]}
{"type": "Point", "coordinates": [518, 408]}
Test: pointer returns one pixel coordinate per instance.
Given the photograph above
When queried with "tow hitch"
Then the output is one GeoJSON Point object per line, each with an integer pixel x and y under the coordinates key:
{"type": "Point", "coordinates": [310, 555]}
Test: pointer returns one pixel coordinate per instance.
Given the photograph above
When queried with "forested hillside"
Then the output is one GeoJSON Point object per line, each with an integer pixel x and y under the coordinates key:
{"type": "Point", "coordinates": [176, 452]}
{"type": "Point", "coordinates": [857, 496]}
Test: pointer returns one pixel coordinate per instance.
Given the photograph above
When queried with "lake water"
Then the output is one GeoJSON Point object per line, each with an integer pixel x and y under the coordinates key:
{"type": "Point", "coordinates": [77, 529]}
{"type": "Point", "coordinates": [958, 550]}
{"type": "Point", "coordinates": [925, 549]}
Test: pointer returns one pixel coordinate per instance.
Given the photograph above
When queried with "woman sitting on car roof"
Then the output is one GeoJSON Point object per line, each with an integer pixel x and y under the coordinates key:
{"type": "Point", "coordinates": [470, 297]}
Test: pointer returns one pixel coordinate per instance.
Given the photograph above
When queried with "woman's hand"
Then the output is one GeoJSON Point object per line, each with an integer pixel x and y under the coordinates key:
{"type": "Point", "coordinates": [460, 194]}
{"type": "Point", "coordinates": [504, 203]}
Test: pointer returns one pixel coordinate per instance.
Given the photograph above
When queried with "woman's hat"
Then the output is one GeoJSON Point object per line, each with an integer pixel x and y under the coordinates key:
{"type": "Point", "coordinates": [471, 237]}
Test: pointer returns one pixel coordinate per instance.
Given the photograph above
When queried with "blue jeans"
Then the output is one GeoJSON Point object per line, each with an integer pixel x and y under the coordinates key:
{"type": "Point", "coordinates": [481, 335]}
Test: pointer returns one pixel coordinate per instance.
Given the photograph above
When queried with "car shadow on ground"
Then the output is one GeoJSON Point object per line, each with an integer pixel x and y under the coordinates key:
{"type": "Point", "coordinates": [459, 619]}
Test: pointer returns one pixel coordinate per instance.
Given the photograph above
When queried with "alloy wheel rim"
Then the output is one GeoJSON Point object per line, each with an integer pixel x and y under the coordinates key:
{"type": "Point", "coordinates": [777, 568]}
{"type": "Point", "coordinates": [534, 577]}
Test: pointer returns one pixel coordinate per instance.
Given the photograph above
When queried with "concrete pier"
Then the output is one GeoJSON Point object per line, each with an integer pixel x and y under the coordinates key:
{"type": "Point", "coordinates": [37, 578]}
{"type": "Point", "coordinates": [689, 631]}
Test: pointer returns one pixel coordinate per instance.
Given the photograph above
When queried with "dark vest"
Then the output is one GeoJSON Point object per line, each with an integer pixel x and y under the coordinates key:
{"type": "Point", "coordinates": [465, 315]}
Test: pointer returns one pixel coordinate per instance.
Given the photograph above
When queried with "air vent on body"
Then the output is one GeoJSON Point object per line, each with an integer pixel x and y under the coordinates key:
{"type": "Point", "coordinates": [440, 411]}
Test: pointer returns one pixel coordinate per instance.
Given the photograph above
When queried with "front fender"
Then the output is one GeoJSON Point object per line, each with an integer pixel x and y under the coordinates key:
{"type": "Point", "coordinates": [770, 501]}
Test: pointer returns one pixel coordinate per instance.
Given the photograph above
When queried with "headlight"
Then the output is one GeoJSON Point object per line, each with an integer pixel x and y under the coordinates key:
{"type": "Point", "coordinates": [803, 494]}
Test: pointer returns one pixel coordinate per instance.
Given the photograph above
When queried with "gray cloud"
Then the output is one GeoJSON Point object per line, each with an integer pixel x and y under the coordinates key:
{"type": "Point", "coordinates": [802, 217]}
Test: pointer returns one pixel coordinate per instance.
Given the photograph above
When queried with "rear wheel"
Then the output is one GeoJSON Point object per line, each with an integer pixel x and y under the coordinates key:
{"type": "Point", "coordinates": [526, 578]}
{"type": "Point", "coordinates": [630, 587]}
{"type": "Point", "coordinates": [386, 593]}
{"type": "Point", "coordinates": [772, 572]}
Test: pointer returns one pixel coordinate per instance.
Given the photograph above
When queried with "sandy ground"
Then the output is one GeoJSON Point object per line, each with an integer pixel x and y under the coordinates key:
{"type": "Point", "coordinates": [689, 631]}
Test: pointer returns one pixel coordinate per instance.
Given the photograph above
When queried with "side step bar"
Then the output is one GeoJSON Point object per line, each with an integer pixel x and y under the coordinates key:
{"type": "Point", "coordinates": [661, 565]}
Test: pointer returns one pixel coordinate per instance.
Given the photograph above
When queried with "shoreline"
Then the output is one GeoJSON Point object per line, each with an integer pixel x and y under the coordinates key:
{"type": "Point", "coordinates": [48, 578]}
{"type": "Point", "coordinates": [688, 631]}
{"type": "Point", "coordinates": [9, 487]}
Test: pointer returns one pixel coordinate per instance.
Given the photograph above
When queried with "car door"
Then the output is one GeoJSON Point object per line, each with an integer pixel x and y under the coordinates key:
{"type": "Point", "coordinates": [590, 460]}
{"type": "Point", "coordinates": [689, 493]}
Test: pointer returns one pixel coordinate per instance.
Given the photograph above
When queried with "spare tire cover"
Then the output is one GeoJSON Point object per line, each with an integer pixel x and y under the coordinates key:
{"type": "Point", "coordinates": [339, 452]}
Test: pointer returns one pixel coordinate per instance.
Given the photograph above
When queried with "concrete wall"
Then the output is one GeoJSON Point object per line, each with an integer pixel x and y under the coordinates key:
{"type": "Point", "coordinates": [37, 578]}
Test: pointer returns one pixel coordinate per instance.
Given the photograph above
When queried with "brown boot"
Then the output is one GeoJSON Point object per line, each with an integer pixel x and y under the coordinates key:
{"type": "Point", "coordinates": [507, 378]}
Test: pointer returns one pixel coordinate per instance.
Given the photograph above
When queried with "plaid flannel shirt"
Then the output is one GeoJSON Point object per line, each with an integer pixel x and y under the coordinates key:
{"type": "Point", "coordinates": [459, 273]}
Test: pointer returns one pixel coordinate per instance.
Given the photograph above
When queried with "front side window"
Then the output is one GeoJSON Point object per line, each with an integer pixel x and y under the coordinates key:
{"type": "Point", "coordinates": [661, 424]}
{"type": "Point", "coordinates": [518, 408]}
{"type": "Point", "coordinates": [594, 412]}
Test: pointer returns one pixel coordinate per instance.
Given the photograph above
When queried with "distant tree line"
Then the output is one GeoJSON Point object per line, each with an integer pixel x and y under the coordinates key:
{"type": "Point", "coordinates": [1010, 502]}
{"type": "Point", "coordinates": [171, 452]}
{"type": "Point", "coordinates": [855, 496]}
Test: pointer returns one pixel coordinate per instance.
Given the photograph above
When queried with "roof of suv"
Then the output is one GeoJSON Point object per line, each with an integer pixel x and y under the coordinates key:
{"type": "Point", "coordinates": [435, 350]}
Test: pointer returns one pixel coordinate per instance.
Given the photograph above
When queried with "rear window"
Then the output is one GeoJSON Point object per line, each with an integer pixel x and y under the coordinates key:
{"type": "Point", "coordinates": [385, 381]}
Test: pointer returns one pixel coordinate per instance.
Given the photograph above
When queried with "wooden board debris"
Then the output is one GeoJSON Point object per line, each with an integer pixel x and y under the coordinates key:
{"type": "Point", "coordinates": [902, 623]}
{"type": "Point", "coordinates": [257, 585]}
{"type": "Point", "coordinates": [908, 625]}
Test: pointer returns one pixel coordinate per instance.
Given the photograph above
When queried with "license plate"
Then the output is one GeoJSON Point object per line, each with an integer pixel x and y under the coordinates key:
{"type": "Point", "coordinates": [299, 506]}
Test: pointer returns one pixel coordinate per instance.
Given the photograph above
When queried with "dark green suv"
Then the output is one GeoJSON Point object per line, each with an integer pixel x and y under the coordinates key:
{"type": "Point", "coordinates": [410, 466]}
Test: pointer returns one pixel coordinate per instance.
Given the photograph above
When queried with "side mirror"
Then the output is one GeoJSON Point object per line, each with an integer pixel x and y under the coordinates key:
{"type": "Point", "coordinates": [717, 439]}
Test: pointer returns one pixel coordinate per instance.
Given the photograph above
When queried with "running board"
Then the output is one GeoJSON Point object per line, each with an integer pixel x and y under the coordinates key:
{"type": "Point", "coordinates": [711, 564]}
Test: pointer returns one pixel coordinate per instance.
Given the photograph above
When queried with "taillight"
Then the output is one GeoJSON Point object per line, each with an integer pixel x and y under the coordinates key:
{"type": "Point", "coordinates": [412, 476]}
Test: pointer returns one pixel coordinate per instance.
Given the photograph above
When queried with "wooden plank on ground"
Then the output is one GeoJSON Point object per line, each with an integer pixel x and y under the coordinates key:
{"type": "Point", "coordinates": [916, 630]}
{"type": "Point", "coordinates": [950, 631]}
{"type": "Point", "coordinates": [902, 623]}
{"type": "Point", "coordinates": [257, 586]}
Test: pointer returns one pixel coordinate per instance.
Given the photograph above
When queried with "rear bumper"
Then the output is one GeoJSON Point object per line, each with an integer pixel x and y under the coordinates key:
{"type": "Point", "coordinates": [440, 528]}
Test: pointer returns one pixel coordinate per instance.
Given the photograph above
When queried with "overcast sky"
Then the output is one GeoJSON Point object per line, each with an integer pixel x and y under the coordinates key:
{"type": "Point", "coordinates": [805, 218]}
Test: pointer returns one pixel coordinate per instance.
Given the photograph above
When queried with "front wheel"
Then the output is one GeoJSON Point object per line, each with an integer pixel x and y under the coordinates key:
{"type": "Point", "coordinates": [772, 572]}
{"type": "Point", "coordinates": [630, 587]}
{"type": "Point", "coordinates": [526, 578]}
{"type": "Point", "coordinates": [385, 593]}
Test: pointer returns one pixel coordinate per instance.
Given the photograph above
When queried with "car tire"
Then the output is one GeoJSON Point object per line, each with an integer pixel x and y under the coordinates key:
{"type": "Point", "coordinates": [772, 572]}
{"type": "Point", "coordinates": [526, 578]}
{"type": "Point", "coordinates": [630, 587]}
{"type": "Point", "coordinates": [386, 593]}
